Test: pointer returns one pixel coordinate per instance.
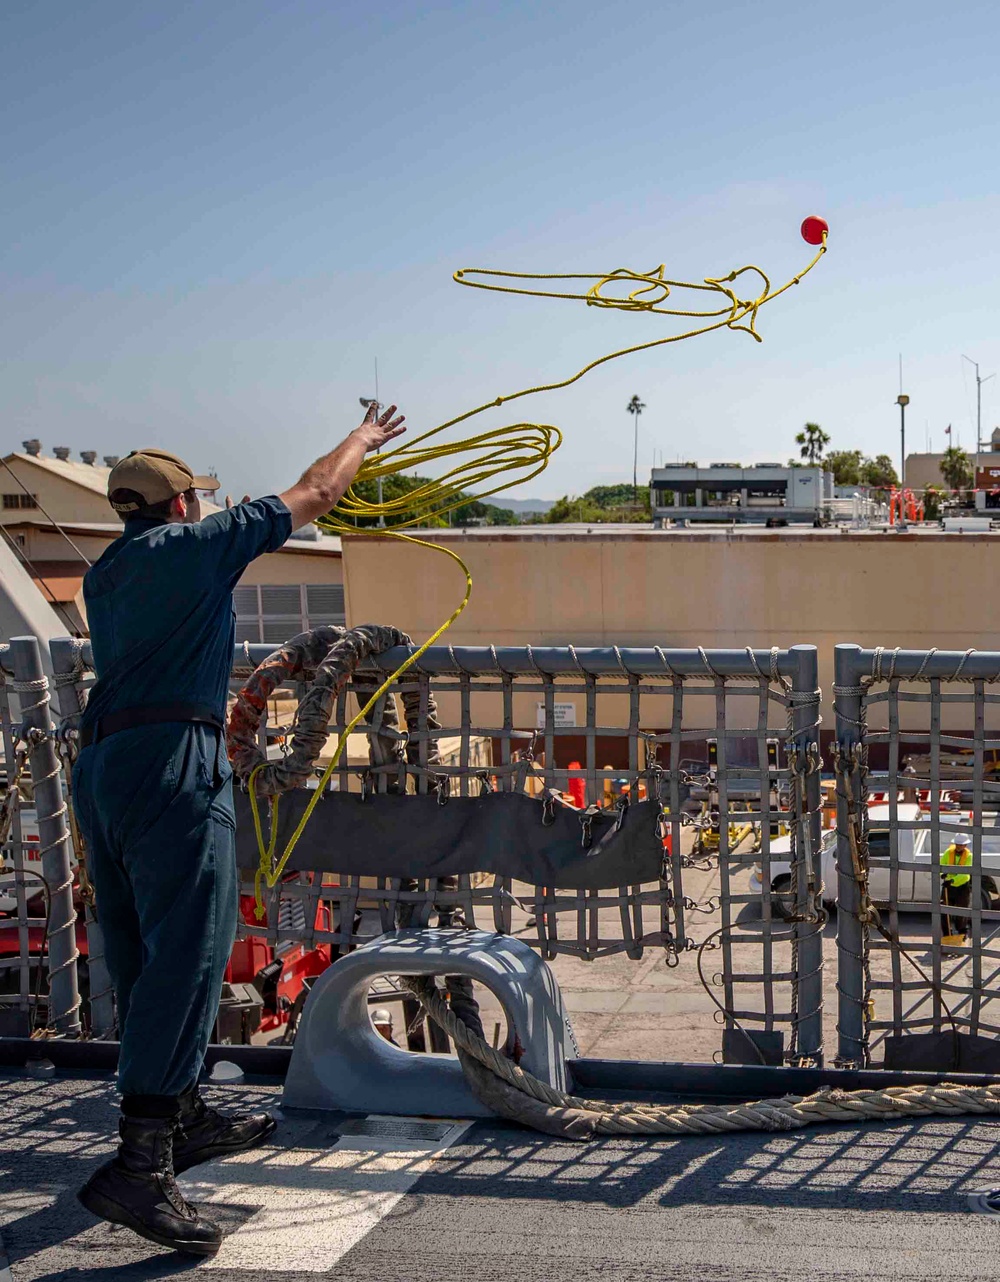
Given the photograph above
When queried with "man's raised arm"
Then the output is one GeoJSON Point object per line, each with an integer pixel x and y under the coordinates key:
{"type": "Point", "coordinates": [324, 484]}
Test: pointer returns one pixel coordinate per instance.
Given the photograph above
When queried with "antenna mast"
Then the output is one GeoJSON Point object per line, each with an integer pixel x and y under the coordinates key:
{"type": "Point", "coordinates": [979, 405]}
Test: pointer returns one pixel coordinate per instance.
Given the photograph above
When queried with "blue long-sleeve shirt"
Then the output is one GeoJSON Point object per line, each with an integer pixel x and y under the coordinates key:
{"type": "Point", "coordinates": [160, 606]}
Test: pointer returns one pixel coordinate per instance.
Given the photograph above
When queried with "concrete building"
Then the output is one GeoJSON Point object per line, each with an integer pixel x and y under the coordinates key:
{"type": "Point", "coordinates": [921, 470]}
{"type": "Point", "coordinates": [55, 515]}
{"type": "Point", "coordinates": [765, 493]}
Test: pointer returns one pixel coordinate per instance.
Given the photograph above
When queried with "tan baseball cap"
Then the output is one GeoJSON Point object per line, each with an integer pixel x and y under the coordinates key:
{"type": "Point", "coordinates": [157, 476]}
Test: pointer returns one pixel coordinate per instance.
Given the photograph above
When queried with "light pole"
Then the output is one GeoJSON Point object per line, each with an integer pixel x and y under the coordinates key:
{"type": "Point", "coordinates": [902, 400]}
{"type": "Point", "coordinates": [979, 406]}
{"type": "Point", "coordinates": [366, 402]}
{"type": "Point", "coordinates": [635, 408]}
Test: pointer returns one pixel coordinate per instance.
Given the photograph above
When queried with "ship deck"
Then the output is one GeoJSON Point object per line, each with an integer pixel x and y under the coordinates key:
{"type": "Point", "coordinates": [384, 1199]}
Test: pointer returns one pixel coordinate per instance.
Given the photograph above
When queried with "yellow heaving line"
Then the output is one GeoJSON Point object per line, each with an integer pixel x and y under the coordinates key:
{"type": "Point", "coordinates": [503, 457]}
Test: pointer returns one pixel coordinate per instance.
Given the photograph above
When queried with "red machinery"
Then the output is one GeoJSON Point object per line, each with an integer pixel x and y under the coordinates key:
{"type": "Point", "coordinates": [278, 974]}
{"type": "Point", "coordinates": [259, 977]}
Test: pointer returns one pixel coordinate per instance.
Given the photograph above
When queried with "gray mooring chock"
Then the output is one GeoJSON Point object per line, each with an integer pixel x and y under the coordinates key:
{"type": "Point", "coordinates": [339, 1061]}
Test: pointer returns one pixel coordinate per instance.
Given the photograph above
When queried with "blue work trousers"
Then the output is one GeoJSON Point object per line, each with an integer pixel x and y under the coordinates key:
{"type": "Point", "coordinates": [155, 806]}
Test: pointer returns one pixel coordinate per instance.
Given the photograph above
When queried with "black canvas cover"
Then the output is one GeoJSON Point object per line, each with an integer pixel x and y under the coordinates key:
{"type": "Point", "coordinates": [508, 833]}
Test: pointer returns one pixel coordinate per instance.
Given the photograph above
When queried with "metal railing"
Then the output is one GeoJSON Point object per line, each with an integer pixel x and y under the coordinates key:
{"type": "Point", "coordinates": [16, 977]}
{"type": "Point", "coordinates": [725, 739]}
{"type": "Point", "coordinates": [72, 677]}
{"type": "Point", "coordinates": [917, 761]}
{"type": "Point", "coordinates": [650, 710]}
{"type": "Point", "coordinates": [46, 944]}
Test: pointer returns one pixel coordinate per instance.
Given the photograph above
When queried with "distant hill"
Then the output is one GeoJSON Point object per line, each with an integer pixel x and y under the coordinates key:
{"type": "Point", "coordinates": [521, 505]}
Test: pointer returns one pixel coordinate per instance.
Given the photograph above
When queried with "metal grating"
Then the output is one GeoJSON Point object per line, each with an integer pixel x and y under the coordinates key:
{"type": "Point", "coordinates": [395, 1128]}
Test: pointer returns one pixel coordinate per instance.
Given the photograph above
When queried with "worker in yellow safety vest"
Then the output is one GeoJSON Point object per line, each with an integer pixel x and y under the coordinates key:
{"type": "Point", "coordinates": [957, 890]}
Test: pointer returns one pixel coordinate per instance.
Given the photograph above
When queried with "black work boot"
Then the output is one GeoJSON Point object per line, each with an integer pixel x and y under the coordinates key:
{"type": "Point", "coordinates": [137, 1189]}
{"type": "Point", "coordinates": [203, 1134]}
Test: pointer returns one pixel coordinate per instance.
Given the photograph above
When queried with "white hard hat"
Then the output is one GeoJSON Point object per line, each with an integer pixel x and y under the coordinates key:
{"type": "Point", "coordinates": [381, 1016]}
{"type": "Point", "coordinates": [961, 839]}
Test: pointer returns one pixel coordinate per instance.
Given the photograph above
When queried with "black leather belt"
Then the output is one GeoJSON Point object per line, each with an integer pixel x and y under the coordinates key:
{"type": "Point", "coordinates": [153, 714]}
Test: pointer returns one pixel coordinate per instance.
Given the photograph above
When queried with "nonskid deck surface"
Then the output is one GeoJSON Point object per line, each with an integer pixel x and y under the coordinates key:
{"type": "Point", "coordinates": [377, 1200]}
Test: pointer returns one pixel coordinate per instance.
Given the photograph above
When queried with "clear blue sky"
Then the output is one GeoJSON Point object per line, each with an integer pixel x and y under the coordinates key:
{"type": "Point", "coordinates": [216, 215]}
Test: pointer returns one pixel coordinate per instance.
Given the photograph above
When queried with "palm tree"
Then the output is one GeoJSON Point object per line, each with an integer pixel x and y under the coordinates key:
{"type": "Point", "coordinates": [956, 468]}
{"type": "Point", "coordinates": [635, 408]}
{"type": "Point", "coordinates": [813, 441]}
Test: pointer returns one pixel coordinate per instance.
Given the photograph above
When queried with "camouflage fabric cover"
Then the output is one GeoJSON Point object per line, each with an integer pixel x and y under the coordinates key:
{"type": "Point", "coordinates": [326, 658]}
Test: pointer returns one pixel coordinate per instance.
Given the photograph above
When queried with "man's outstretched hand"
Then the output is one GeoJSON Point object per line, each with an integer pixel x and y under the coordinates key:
{"type": "Point", "coordinates": [323, 485]}
{"type": "Point", "coordinates": [376, 432]}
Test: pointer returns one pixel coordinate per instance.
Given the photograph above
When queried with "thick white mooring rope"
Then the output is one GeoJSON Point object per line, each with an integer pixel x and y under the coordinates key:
{"type": "Point", "coordinates": [521, 1097]}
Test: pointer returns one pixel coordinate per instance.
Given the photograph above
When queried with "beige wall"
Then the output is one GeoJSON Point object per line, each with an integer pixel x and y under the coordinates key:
{"type": "Point", "coordinates": [64, 498]}
{"type": "Point", "coordinates": [925, 469]}
{"type": "Point", "coordinates": [273, 567]}
{"type": "Point", "coordinates": [43, 544]}
{"type": "Point", "coordinates": [688, 589]}
{"type": "Point", "coordinates": [295, 567]}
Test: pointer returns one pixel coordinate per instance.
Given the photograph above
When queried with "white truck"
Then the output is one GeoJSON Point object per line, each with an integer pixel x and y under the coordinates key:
{"type": "Point", "coordinates": [914, 886]}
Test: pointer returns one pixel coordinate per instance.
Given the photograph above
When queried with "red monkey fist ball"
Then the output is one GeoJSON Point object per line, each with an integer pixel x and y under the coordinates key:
{"type": "Point", "coordinates": [814, 229]}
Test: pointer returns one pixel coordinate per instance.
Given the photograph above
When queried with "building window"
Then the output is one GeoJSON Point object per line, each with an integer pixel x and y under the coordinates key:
{"type": "Point", "coordinates": [325, 604]}
{"type": "Point", "coordinates": [12, 502]}
{"type": "Point", "coordinates": [273, 613]}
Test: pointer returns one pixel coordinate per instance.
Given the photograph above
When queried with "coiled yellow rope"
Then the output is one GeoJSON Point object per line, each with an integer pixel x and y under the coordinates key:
{"type": "Point", "coordinates": [516, 453]}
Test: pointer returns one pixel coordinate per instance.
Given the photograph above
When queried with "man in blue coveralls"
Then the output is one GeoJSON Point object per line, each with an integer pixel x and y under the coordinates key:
{"type": "Point", "coordinates": [153, 792]}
